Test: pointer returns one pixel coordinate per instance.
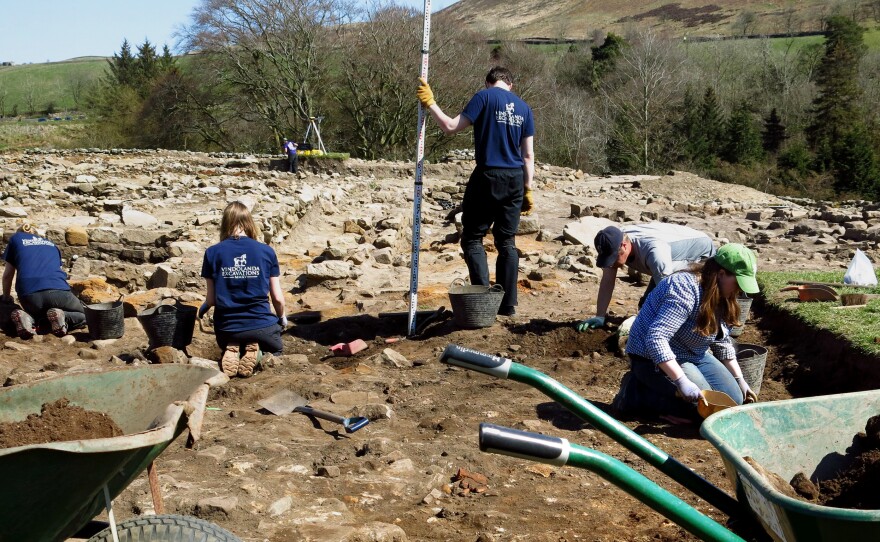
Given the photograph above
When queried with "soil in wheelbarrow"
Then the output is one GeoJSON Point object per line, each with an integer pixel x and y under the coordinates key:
{"type": "Point", "coordinates": [58, 421]}
{"type": "Point", "coordinates": [854, 486]}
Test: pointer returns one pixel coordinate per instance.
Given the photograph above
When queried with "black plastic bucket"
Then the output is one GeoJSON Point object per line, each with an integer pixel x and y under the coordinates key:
{"type": "Point", "coordinates": [105, 320]}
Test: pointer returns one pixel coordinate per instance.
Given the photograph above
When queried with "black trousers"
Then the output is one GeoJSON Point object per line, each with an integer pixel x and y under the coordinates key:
{"type": "Point", "coordinates": [493, 198]}
{"type": "Point", "coordinates": [292, 162]}
{"type": "Point", "coordinates": [268, 337]}
{"type": "Point", "coordinates": [37, 303]}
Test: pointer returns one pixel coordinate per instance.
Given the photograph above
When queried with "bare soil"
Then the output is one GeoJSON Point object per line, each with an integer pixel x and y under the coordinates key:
{"type": "Point", "coordinates": [58, 421]}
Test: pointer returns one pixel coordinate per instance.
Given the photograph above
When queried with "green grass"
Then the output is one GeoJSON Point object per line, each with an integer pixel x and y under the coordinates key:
{"type": "Point", "coordinates": [328, 156]}
{"type": "Point", "coordinates": [860, 326]}
{"type": "Point", "coordinates": [51, 83]}
{"type": "Point", "coordinates": [16, 135]}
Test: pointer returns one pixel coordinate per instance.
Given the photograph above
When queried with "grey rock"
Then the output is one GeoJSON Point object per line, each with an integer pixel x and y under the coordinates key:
{"type": "Point", "coordinates": [137, 219]}
{"type": "Point", "coordinates": [280, 506]}
{"type": "Point", "coordinates": [384, 255]}
{"type": "Point", "coordinates": [528, 225]}
{"type": "Point", "coordinates": [584, 231]}
{"type": "Point", "coordinates": [332, 270]}
{"type": "Point", "coordinates": [164, 277]}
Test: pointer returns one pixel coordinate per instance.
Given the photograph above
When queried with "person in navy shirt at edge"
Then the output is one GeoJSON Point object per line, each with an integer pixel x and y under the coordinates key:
{"type": "Point", "coordinates": [41, 286]}
{"type": "Point", "coordinates": [499, 188]}
{"type": "Point", "coordinates": [241, 273]}
{"type": "Point", "coordinates": [682, 332]}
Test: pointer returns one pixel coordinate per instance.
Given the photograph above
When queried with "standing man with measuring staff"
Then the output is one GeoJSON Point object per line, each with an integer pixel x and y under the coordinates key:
{"type": "Point", "coordinates": [499, 188]}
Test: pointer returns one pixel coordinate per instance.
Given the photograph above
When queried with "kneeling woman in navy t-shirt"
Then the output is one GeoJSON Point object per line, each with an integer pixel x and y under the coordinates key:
{"type": "Point", "coordinates": [241, 273]}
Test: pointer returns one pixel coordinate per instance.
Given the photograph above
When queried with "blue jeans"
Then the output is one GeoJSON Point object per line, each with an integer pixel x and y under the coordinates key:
{"type": "Point", "coordinates": [650, 390]}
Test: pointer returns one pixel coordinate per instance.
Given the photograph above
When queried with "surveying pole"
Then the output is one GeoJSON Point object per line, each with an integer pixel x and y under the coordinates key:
{"type": "Point", "coordinates": [313, 123]}
{"type": "Point", "coordinates": [417, 195]}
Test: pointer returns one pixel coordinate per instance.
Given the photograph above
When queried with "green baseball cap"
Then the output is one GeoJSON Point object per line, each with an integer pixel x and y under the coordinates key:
{"type": "Point", "coordinates": [740, 261]}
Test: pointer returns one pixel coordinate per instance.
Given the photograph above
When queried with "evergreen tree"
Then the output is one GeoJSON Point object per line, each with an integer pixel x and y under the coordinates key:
{"type": "Point", "coordinates": [855, 163]}
{"type": "Point", "coordinates": [622, 146]}
{"type": "Point", "coordinates": [605, 58]}
{"type": "Point", "coordinates": [773, 134]}
{"type": "Point", "coordinates": [166, 61]}
{"type": "Point", "coordinates": [712, 124]}
{"type": "Point", "coordinates": [122, 67]}
{"type": "Point", "coordinates": [835, 108]}
{"type": "Point", "coordinates": [694, 146]}
{"type": "Point", "coordinates": [743, 140]}
{"type": "Point", "coordinates": [147, 68]}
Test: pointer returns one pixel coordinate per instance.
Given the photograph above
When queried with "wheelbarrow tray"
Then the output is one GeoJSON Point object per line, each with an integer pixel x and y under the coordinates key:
{"type": "Point", "coordinates": [52, 490]}
{"type": "Point", "coordinates": [808, 435]}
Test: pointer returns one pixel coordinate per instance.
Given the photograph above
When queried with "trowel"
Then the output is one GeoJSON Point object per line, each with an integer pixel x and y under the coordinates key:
{"type": "Point", "coordinates": [285, 401]}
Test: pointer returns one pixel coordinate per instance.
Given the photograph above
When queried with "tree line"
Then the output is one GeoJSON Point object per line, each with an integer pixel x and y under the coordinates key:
{"type": "Point", "coordinates": [779, 116]}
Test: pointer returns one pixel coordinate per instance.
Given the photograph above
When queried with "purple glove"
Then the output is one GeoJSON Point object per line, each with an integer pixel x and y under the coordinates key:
{"type": "Point", "coordinates": [688, 390]}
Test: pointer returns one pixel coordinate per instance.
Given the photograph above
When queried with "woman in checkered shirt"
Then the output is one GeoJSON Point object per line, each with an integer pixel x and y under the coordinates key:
{"type": "Point", "coordinates": [680, 344]}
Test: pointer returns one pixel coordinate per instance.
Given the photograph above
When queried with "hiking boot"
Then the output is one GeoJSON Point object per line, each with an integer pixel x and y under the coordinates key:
{"type": "Point", "coordinates": [229, 362]}
{"type": "Point", "coordinates": [251, 358]}
{"type": "Point", "coordinates": [58, 321]}
{"type": "Point", "coordinates": [25, 327]}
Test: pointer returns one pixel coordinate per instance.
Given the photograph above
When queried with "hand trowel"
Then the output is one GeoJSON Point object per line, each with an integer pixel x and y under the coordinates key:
{"type": "Point", "coordinates": [285, 401]}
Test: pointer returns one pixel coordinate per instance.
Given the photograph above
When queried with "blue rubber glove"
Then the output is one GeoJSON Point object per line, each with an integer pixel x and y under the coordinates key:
{"type": "Point", "coordinates": [203, 309]}
{"type": "Point", "coordinates": [688, 390]}
{"type": "Point", "coordinates": [591, 323]}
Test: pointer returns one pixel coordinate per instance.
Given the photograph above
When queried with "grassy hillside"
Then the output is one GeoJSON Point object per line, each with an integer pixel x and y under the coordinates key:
{"type": "Point", "coordinates": [579, 19]}
{"type": "Point", "coordinates": [48, 83]}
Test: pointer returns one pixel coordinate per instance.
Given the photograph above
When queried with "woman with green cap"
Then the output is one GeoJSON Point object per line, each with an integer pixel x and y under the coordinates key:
{"type": "Point", "coordinates": [680, 344]}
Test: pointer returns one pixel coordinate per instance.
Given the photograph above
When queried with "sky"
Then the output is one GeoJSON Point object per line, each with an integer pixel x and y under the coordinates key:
{"type": "Point", "coordinates": [54, 30]}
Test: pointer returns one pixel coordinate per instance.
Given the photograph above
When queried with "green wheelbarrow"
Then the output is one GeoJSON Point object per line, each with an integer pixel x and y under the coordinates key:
{"type": "Point", "coordinates": [808, 435]}
{"type": "Point", "coordinates": [775, 434]}
{"type": "Point", "coordinates": [51, 491]}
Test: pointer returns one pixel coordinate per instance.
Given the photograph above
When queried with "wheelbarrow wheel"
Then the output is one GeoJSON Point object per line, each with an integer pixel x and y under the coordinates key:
{"type": "Point", "coordinates": [166, 528]}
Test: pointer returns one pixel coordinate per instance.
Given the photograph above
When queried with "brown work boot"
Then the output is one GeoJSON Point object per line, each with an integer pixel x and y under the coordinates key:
{"type": "Point", "coordinates": [249, 360]}
{"type": "Point", "coordinates": [230, 362]}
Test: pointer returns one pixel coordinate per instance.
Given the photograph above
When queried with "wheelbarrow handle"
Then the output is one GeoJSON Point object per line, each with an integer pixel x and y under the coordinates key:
{"type": "Point", "coordinates": [349, 424]}
{"type": "Point", "coordinates": [496, 439]}
{"type": "Point", "coordinates": [558, 451]}
{"type": "Point", "coordinates": [480, 362]}
{"type": "Point", "coordinates": [587, 411]}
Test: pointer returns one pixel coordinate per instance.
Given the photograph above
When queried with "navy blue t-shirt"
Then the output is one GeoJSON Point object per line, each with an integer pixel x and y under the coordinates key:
{"type": "Point", "coordinates": [241, 268]}
{"type": "Point", "coordinates": [501, 121]}
{"type": "Point", "coordinates": [37, 263]}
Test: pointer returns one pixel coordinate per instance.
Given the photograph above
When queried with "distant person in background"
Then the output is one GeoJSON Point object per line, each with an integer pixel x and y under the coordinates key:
{"type": "Point", "coordinates": [500, 187]}
{"type": "Point", "coordinates": [290, 147]}
{"type": "Point", "coordinates": [241, 273]}
{"type": "Point", "coordinates": [41, 284]}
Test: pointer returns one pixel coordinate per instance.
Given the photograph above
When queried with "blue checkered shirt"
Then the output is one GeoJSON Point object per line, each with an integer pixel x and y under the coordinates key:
{"type": "Point", "coordinates": [665, 327]}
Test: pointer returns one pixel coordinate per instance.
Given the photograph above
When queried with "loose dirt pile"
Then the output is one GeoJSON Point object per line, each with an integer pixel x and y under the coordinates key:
{"type": "Point", "coordinates": [57, 422]}
{"type": "Point", "coordinates": [854, 486]}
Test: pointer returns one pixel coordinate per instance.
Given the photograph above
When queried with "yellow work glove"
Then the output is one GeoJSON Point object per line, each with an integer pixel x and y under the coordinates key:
{"type": "Point", "coordinates": [425, 94]}
{"type": "Point", "coordinates": [528, 202]}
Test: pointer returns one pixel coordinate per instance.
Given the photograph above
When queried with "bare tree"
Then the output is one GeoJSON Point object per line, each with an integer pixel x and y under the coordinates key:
{"type": "Point", "coordinates": [78, 85]}
{"type": "Point", "coordinates": [30, 95]}
{"type": "Point", "coordinates": [272, 51]}
{"type": "Point", "coordinates": [745, 22]}
{"type": "Point", "coordinates": [647, 79]}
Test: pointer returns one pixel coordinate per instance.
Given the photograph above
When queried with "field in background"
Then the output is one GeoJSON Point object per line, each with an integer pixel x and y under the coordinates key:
{"type": "Point", "coordinates": [51, 83]}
